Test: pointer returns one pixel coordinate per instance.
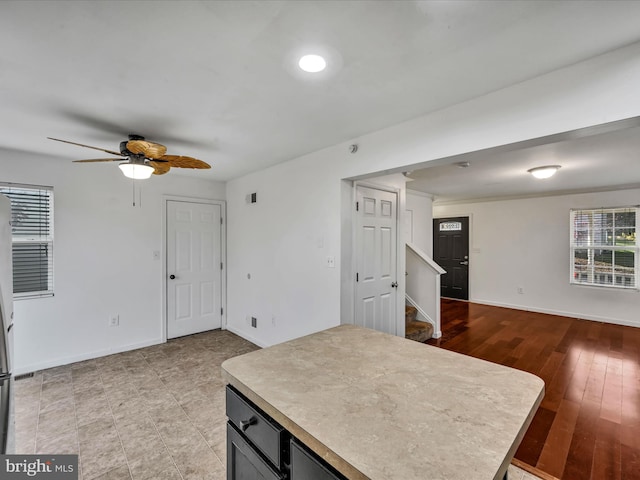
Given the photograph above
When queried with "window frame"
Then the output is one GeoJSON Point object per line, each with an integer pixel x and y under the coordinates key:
{"type": "Point", "coordinates": [47, 240]}
{"type": "Point", "coordinates": [573, 246]}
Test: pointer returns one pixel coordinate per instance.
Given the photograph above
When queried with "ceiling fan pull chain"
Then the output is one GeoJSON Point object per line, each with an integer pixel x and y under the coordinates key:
{"type": "Point", "coordinates": [133, 190]}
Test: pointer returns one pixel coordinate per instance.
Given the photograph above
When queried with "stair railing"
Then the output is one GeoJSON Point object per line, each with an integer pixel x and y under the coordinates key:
{"type": "Point", "coordinates": [423, 286]}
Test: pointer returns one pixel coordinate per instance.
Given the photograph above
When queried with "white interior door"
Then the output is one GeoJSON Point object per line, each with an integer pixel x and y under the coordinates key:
{"type": "Point", "coordinates": [194, 267]}
{"type": "Point", "coordinates": [376, 262]}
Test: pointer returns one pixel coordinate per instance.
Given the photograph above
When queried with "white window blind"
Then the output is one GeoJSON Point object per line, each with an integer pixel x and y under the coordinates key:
{"type": "Point", "coordinates": [604, 247]}
{"type": "Point", "coordinates": [32, 230]}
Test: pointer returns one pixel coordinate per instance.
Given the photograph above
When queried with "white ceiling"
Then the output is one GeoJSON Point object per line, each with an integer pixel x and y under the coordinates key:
{"type": "Point", "coordinates": [217, 80]}
{"type": "Point", "coordinates": [590, 161]}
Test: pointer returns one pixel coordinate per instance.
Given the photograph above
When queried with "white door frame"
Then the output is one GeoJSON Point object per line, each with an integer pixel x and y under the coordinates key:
{"type": "Point", "coordinates": [223, 255]}
{"type": "Point", "coordinates": [400, 253]}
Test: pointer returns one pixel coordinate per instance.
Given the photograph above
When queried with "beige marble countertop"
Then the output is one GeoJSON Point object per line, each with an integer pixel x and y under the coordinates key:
{"type": "Point", "coordinates": [381, 407]}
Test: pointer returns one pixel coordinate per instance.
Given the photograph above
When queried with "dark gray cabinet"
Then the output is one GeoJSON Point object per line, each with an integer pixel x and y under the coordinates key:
{"type": "Point", "coordinates": [244, 462]}
{"type": "Point", "coordinates": [268, 436]}
{"type": "Point", "coordinates": [258, 448]}
{"type": "Point", "coordinates": [305, 465]}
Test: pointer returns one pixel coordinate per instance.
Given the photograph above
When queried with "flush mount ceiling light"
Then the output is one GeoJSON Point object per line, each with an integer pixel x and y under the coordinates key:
{"type": "Point", "coordinates": [312, 63]}
{"type": "Point", "coordinates": [136, 171]}
{"type": "Point", "coordinates": [544, 172]}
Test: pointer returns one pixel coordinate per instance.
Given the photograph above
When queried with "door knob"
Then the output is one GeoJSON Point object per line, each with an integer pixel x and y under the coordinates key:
{"type": "Point", "coordinates": [464, 263]}
{"type": "Point", "coordinates": [172, 277]}
{"type": "Point", "coordinates": [394, 284]}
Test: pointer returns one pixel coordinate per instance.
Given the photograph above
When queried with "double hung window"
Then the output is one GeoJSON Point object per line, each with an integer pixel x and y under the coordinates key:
{"type": "Point", "coordinates": [32, 239]}
{"type": "Point", "coordinates": [604, 247]}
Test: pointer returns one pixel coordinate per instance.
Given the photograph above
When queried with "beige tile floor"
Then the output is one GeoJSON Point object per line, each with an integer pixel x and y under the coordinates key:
{"type": "Point", "coordinates": [154, 413]}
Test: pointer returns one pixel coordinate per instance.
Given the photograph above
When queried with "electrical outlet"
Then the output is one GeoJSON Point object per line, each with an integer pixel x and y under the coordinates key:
{"type": "Point", "coordinates": [521, 290]}
{"type": "Point", "coordinates": [331, 262]}
{"type": "Point", "coordinates": [114, 320]}
{"type": "Point", "coordinates": [254, 322]}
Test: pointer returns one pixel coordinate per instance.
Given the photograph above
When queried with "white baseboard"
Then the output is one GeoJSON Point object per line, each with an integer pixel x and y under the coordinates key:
{"type": "Point", "coordinates": [34, 367]}
{"type": "Point", "coordinates": [246, 336]}
{"type": "Point", "coordinates": [593, 318]}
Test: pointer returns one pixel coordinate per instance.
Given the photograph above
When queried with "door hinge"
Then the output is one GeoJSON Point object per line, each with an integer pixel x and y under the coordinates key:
{"type": "Point", "coordinates": [357, 206]}
{"type": "Point", "coordinates": [357, 277]}
{"type": "Point", "coordinates": [220, 220]}
{"type": "Point", "coordinates": [222, 311]}
{"type": "Point", "coordinates": [221, 266]}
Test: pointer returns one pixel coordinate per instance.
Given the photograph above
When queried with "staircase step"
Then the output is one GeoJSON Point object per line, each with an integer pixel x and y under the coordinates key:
{"type": "Point", "coordinates": [410, 313]}
{"type": "Point", "coordinates": [418, 331]}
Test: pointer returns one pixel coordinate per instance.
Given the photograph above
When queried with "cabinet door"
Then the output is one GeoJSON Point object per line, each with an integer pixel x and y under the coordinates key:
{"type": "Point", "coordinates": [307, 466]}
{"type": "Point", "coordinates": [257, 427]}
{"type": "Point", "coordinates": [245, 463]}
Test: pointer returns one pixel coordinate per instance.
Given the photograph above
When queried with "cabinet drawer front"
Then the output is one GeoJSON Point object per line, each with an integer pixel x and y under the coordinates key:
{"type": "Point", "coordinates": [244, 462]}
{"type": "Point", "coordinates": [261, 430]}
{"type": "Point", "coordinates": [307, 466]}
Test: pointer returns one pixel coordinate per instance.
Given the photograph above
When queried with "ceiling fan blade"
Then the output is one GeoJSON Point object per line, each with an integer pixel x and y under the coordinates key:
{"type": "Point", "coordinates": [146, 148]}
{"type": "Point", "coordinates": [160, 168]}
{"type": "Point", "coordinates": [184, 162]}
{"type": "Point", "coordinates": [101, 160]}
{"type": "Point", "coordinates": [161, 128]}
{"type": "Point", "coordinates": [87, 146]}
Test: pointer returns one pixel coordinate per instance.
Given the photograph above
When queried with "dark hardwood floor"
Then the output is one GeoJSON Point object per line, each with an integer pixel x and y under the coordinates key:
{"type": "Point", "coordinates": [588, 425]}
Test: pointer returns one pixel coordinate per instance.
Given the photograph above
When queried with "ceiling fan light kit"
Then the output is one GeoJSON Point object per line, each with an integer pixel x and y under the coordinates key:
{"type": "Point", "coordinates": [143, 158]}
{"type": "Point", "coordinates": [137, 171]}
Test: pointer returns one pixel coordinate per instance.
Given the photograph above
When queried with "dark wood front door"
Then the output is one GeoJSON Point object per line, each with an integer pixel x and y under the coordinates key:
{"type": "Point", "coordinates": [451, 252]}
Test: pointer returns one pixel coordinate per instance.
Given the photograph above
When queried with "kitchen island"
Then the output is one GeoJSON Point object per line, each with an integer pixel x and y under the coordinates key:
{"type": "Point", "coordinates": [375, 406]}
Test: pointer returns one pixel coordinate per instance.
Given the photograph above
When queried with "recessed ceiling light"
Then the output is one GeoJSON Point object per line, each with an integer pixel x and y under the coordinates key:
{"type": "Point", "coordinates": [312, 63]}
{"type": "Point", "coordinates": [544, 172]}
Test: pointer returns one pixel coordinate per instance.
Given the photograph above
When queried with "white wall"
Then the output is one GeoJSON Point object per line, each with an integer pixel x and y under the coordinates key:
{"type": "Point", "coordinates": [525, 243]}
{"type": "Point", "coordinates": [103, 246]}
{"type": "Point", "coordinates": [300, 218]}
{"type": "Point", "coordinates": [103, 260]}
{"type": "Point", "coordinates": [282, 242]}
{"type": "Point", "coordinates": [423, 287]}
{"type": "Point", "coordinates": [420, 208]}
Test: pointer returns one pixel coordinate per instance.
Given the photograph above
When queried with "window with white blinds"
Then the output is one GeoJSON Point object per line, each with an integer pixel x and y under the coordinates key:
{"type": "Point", "coordinates": [32, 228]}
{"type": "Point", "coordinates": [604, 247]}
